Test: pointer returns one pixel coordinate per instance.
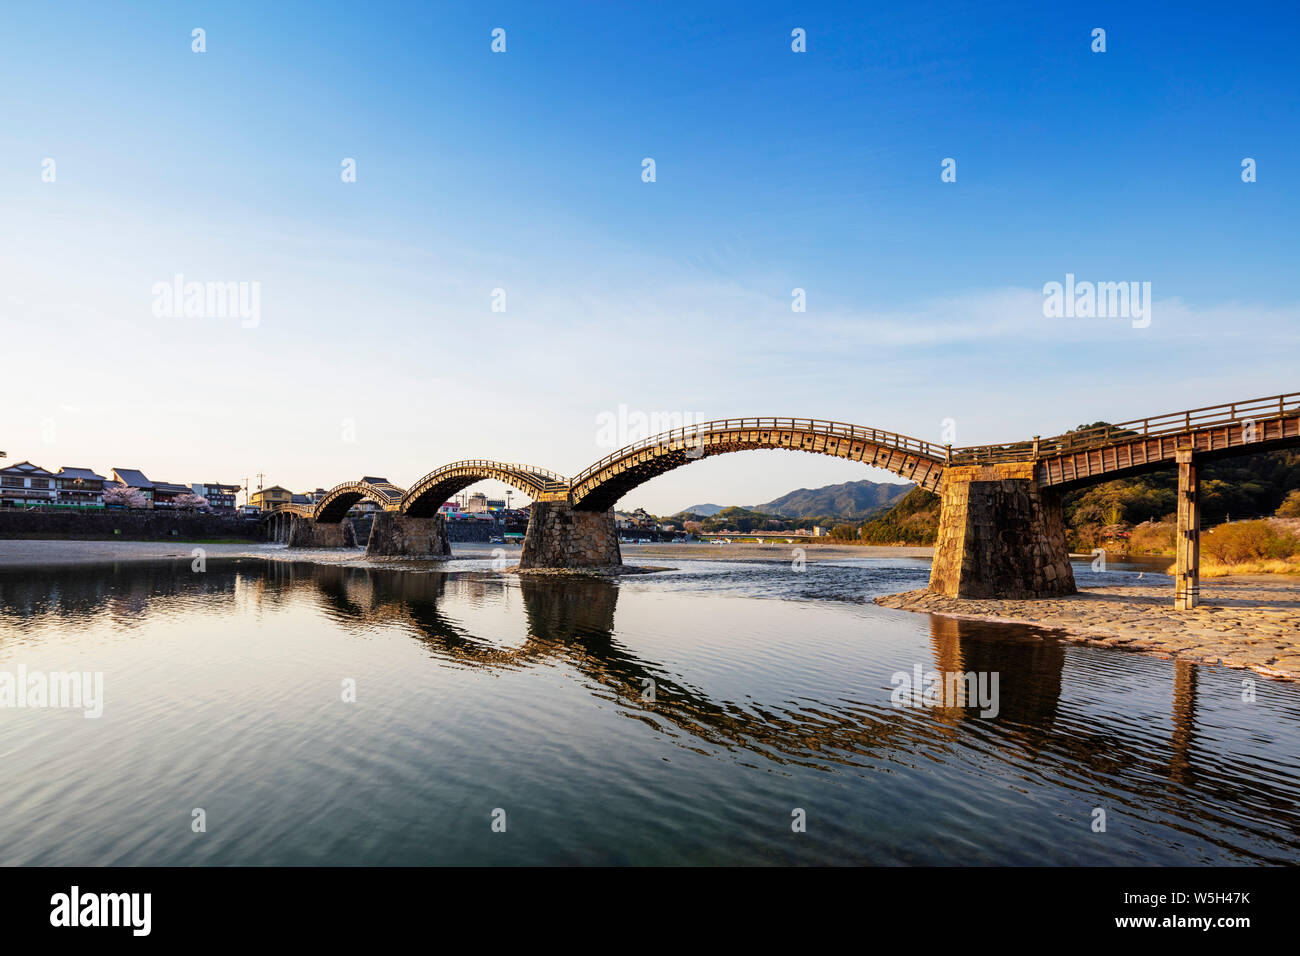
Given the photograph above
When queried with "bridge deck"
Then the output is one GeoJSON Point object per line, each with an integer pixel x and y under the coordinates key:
{"type": "Point", "coordinates": [1111, 451]}
{"type": "Point", "coordinates": [1141, 453]}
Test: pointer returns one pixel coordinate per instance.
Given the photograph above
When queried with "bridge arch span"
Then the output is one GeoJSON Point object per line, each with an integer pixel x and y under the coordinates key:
{"type": "Point", "coordinates": [301, 511]}
{"type": "Point", "coordinates": [428, 494]}
{"type": "Point", "coordinates": [601, 485]}
{"type": "Point", "coordinates": [333, 508]}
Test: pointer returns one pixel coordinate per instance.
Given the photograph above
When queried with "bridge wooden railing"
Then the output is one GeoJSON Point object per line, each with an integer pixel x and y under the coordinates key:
{"type": "Point", "coordinates": [1173, 423]}
{"type": "Point", "coordinates": [689, 434]}
{"type": "Point", "coordinates": [303, 511]}
{"type": "Point", "coordinates": [544, 478]}
{"type": "Point", "coordinates": [388, 490]}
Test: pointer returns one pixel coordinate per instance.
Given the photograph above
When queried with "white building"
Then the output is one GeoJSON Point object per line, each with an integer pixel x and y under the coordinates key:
{"type": "Point", "coordinates": [24, 485]}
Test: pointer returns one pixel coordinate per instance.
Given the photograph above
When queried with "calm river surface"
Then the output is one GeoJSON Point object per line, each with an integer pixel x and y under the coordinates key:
{"type": "Point", "coordinates": [479, 692]}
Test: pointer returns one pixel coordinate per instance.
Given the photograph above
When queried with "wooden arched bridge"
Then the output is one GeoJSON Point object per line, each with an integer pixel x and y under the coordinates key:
{"type": "Point", "coordinates": [429, 493]}
{"type": "Point", "coordinates": [1001, 532]}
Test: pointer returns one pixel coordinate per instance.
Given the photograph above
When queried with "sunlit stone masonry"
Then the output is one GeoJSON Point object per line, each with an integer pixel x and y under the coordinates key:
{"type": "Point", "coordinates": [1000, 535]}
{"type": "Point", "coordinates": [561, 536]}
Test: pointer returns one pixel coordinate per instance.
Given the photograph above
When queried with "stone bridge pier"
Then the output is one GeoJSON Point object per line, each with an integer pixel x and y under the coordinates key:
{"type": "Point", "coordinates": [1000, 535]}
{"type": "Point", "coordinates": [394, 534]}
{"type": "Point", "coordinates": [562, 536]}
{"type": "Point", "coordinates": [310, 533]}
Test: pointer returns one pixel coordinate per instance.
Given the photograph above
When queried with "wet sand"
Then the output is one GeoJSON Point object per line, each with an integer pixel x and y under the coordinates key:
{"type": "Point", "coordinates": [1243, 623]}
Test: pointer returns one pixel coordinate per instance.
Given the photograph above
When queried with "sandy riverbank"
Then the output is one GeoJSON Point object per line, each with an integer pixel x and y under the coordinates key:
{"type": "Point", "coordinates": [1241, 623]}
{"type": "Point", "coordinates": [52, 554]}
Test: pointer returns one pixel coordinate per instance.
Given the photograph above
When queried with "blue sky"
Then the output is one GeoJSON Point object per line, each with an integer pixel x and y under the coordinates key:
{"type": "Point", "coordinates": [522, 171]}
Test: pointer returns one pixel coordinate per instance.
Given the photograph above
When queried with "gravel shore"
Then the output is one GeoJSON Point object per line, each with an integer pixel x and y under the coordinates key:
{"type": "Point", "coordinates": [1250, 624]}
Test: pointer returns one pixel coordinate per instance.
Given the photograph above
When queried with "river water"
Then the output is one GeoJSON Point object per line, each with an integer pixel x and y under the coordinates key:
{"type": "Point", "coordinates": [725, 712]}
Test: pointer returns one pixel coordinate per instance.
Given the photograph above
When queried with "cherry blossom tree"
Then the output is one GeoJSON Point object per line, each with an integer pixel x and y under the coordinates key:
{"type": "Point", "coordinates": [191, 503]}
{"type": "Point", "coordinates": [119, 494]}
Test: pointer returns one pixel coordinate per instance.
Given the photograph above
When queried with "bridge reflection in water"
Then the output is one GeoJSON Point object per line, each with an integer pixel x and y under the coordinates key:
{"type": "Point", "coordinates": [571, 621]}
{"type": "Point", "coordinates": [1064, 724]}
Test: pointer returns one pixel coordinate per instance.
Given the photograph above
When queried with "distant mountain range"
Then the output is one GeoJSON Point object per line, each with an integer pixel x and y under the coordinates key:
{"type": "Point", "coordinates": [852, 499]}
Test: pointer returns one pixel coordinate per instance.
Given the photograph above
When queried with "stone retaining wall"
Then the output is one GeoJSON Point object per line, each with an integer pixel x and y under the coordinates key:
{"type": "Point", "coordinates": [134, 524]}
{"type": "Point", "coordinates": [466, 531]}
